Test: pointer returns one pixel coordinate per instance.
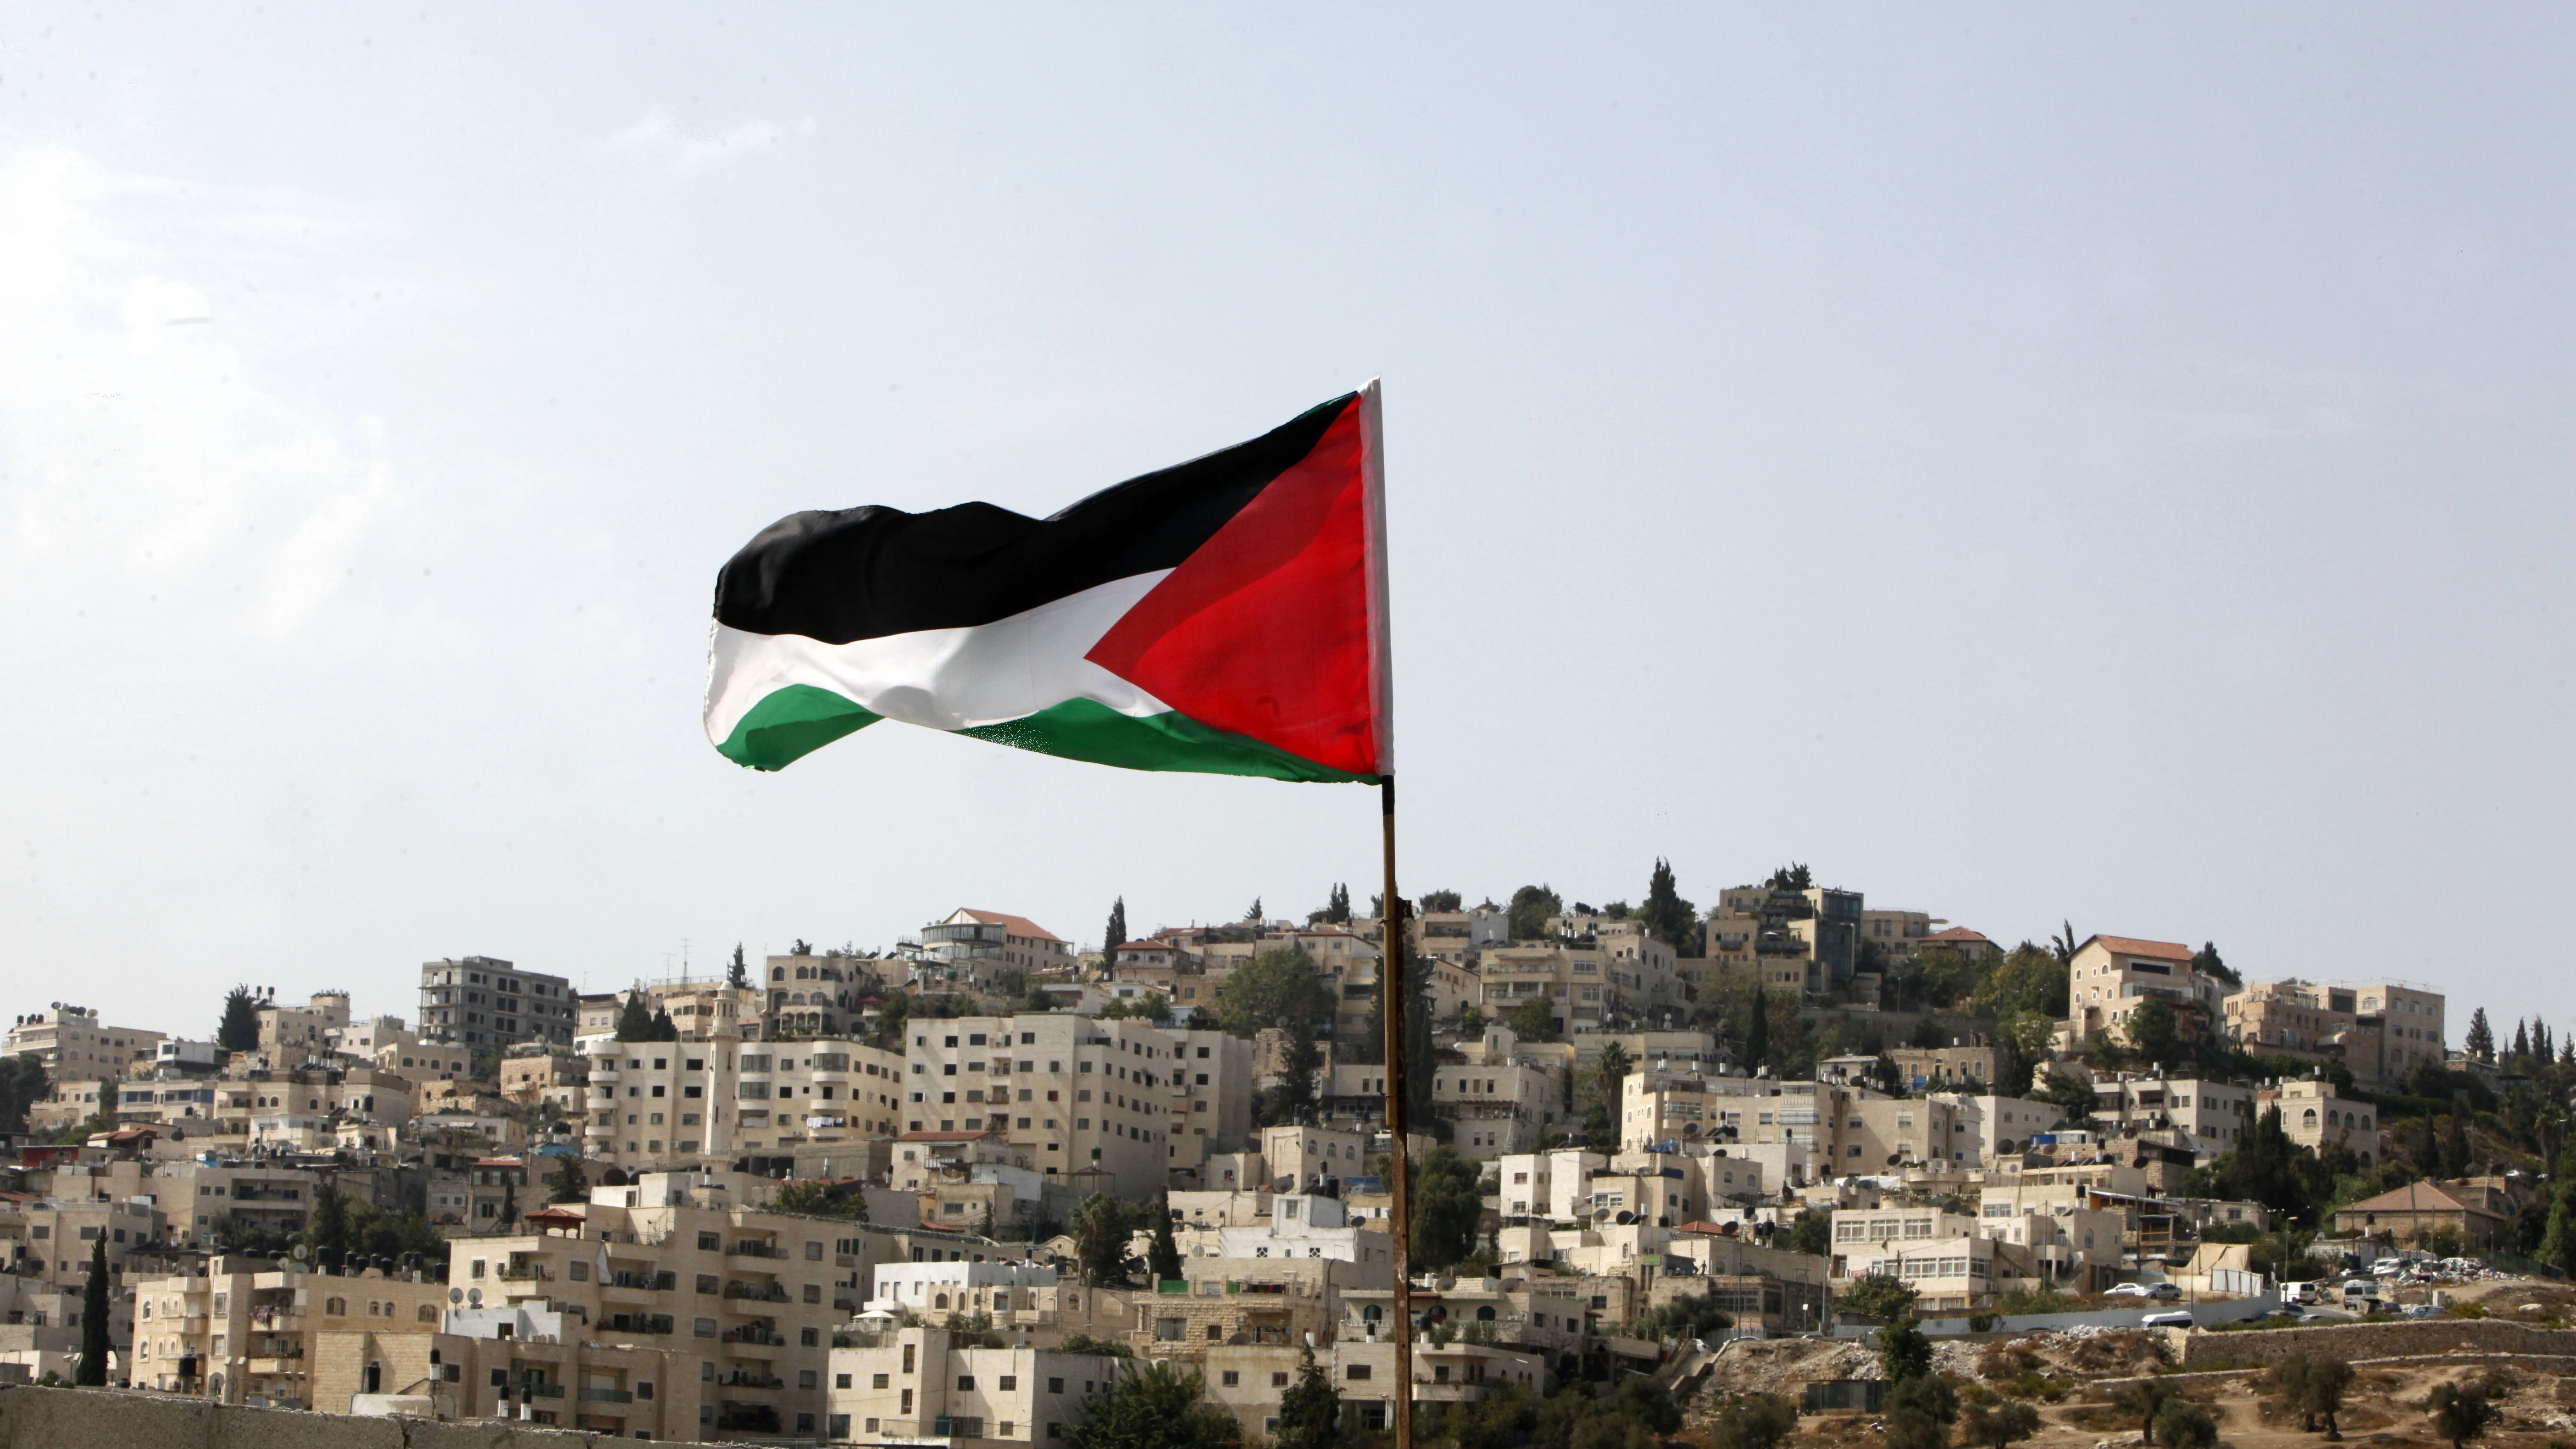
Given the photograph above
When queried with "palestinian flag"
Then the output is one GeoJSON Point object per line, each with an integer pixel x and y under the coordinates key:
{"type": "Point", "coordinates": [1226, 616]}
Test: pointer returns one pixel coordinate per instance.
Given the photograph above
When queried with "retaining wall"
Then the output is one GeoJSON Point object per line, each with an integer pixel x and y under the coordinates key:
{"type": "Point", "coordinates": [32, 1418]}
{"type": "Point", "coordinates": [2417, 1338]}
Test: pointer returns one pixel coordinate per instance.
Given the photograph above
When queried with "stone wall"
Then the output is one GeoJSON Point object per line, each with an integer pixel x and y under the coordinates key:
{"type": "Point", "coordinates": [33, 1418]}
{"type": "Point", "coordinates": [2356, 1341]}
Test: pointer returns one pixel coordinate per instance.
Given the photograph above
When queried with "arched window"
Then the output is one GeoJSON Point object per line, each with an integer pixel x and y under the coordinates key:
{"type": "Point", "coordinates": [1485, 1314]}
{"type": "Point", "coordinates": [1371, 1313]}
{"type": "Point", "coordinates": [777, 973]}
{"type": "Point", "coordinates": [335, 1307]}
{"type": "Point", "coordinates": [940, 1302]}
{"type": "Point", "coordinates": [2308, 1118]}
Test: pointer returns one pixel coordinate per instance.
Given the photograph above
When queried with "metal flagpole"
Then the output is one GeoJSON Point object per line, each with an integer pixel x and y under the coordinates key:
{"type": "Point", "coordinates": [1394, 1002]}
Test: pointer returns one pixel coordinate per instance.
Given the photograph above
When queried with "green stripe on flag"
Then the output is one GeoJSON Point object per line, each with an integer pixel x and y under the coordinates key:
{"type": "Point", "coordinates": [1082, 729]}
{"type": "Point", "coordinates": [789, 724]}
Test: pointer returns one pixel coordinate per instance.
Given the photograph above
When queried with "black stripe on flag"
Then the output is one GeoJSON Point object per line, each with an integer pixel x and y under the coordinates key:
{"type": "Point", "coordinates": [864, 573]}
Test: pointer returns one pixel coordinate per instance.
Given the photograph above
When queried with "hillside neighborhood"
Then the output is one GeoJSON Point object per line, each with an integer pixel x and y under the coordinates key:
{"type": "Point", "coordinates": [1788, 1164]}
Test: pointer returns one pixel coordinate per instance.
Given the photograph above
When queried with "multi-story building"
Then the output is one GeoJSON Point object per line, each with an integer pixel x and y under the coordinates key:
{"type": "Point", "coordinates": [1672, 1102]}
{"type": "Point", "coordinates": [753, 1296]}
{"type": "Point", "coordinates": [2380, 1031]}
{"type": "Point", "coordinates": [1088, 1098]}
{"type": "Point", "coordinates": [2313, 1116]}
{"type": "Point", "coordinates": [243, 1331]}
{"type": "Point", "coordinates": [290, 1035]}
{"type": "Point", "coordinates": [2110, 977]}
{"type": "Point", "coordinates": [1595, 983]}
{"type": "Point", "coordinates": [480, 1002]}
{"type": "Point", "coordinates": [2205, 1113]}
{"type": "Point", "coordinates": [1769, 1287]}
{"type": "Point", "coordinates": [1877, 1133]}
{"type": "Point", "coordinates": [518, 1363]}
{"type": "Point", "coordinates": [1983, 1127]}
{"type": "Point", "coordinates": [918, 1385]}
{"type": "Point", "coordinates": [533, 1072]}
{"type": "Point", "coordinates": [72, 1044]}
{"type": "Point", "coordinates": [1211, 1101]}
{"type": "Point", "coordinates": [966, 947]}
{"type": "Point", "coordinates": [2069, 1243]}
{"type": "Point", "coordinates": [653, 1105]}
{"type": "Point", "coordinates": [1972, 1063]}
{"type": "Point", "coordinates": [1803, 940]}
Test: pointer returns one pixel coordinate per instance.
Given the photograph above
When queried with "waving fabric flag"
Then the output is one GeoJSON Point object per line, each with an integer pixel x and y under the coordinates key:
{"type": "Point", "coordinates": [1226, 616]}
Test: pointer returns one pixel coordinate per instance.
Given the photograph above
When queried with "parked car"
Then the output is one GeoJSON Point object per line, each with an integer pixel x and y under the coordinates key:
{"type": "Point", "coordinates": [2179, 1318]}
{"type": "Point", "coordinates": [2388, 1267]}
{"type": "Point", "coordinates": [2164, 1292]}
{"type": "Point", "coordinates": [2125, 1290]}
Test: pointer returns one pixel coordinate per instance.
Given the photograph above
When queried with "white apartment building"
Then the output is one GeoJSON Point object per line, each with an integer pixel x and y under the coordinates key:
{"type": "Point", "coordinates": [72, 1043]}
{"type": "Point", "coordinates": [915, 1386]}
{"type": "Point", "coordinates": [933, 1290]}
{"type": "Point", "coordinates": [1211, 1101]}
{"type": "Point", "coordinates": [1984, 1126]}
{"type": "Point", "coordinates": [1090, 1099]}
{"type": "Point", "coordinates": [657, 1104]}
{"type": "Point", "coordinates": [2210, 1115]}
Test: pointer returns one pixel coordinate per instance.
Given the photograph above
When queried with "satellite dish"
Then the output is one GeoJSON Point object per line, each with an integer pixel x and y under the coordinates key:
{"type": "Point", "coordinates": [455, 1295]}
{"type": "Point", "coordinates": [474, 1296]}
{"type": "Point", "coordinates": [1627, 1217]}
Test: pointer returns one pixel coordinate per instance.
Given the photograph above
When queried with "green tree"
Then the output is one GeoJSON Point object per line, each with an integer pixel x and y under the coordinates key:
{"type": "Point", "coordinates": [1253, 913]}
{"type": "Point", "coordinates": [238, 1031]}
{"type": "Point", "coordinates": [1098, 1347]}
{"type": "Point", "coordinates": [1114, 935]}
{"type": "Point", "coordinates": [2155, 1029]}
{"type": "Point", "coordinates": [2481, 1038]}
{"type": "Point", "coordinates": [2558, 1240]}
{"type": "Point", "coordinates": [1903, 1351]}
{"type": "Point", "coordinates": [1812, 1231]}
{"type": "Point", "coordinates": [1431, 900]}
{"type": "Point", "coordinates": [1882, 1296]}
{"type": "Point", "coordinates": [634, 1018]}
{"type": "Point", "coordinates": [567, 1184]}
{"type": "Point", "coordinates": [2143, 1400]}
{"type": "Point", "coordinates": [1153, 1406]}
{"type": "Point", "coordinates": [1446, 1199]}
{"type": "Point", "coordinates": [1598, 1094]}
{"type": "Point", "coordinates": [91, 1373]}
{"type": "Point", "coordinates": [1920, 1409]}
{"type": "Point", "coordinates": [326, 1228]}
{"type": "Point", "coordinates": [1102, 1226]}
{"type": "Point", "coordinates": [2067, 1090]}
{"type": "Point", "coordinates": [2455, 1144]}
{"type": "Point", "coordinates": [1755, 1421]}
{"type": "Point", "coordinates": [1533, 1020]}
{"type": "Point", "coordinates": [738, 971]}
{"type": "Point", "coordinates": [805, 1197]}
{"type": "Point", "coordinates": [2315, 1385]}
{"type": "Point", "coordinates": [1163, 1258]}
{"type": "Point", "coordinates": [1529, 911]}
{"type": "Point", "coordinates": [2000, 1425]}
{"type": "Point", "coordinates": [1293, 1100]}
{"type": "Point", "coordinates": [1695, 1316]}
{"type": "Point", "coordinates": [1667, 917]}
{"type": "Point", "coordinates": [22, 1085]}
{"type": "Point", "coordinates": [2182, 1424]}
{"type": "Point", "coordinates": [2206, 962]}
{"type": "Point", "coordinates": [1276, 988]}
{"type": "Point", "coordinates": [1310, 1413]}
{"type": "Point", "coordinates": [2461, 1412]}
{"type": "Point", "coordinates": [2025, 979]}
{"type": "Point", "coordinates": [1757, 1028]}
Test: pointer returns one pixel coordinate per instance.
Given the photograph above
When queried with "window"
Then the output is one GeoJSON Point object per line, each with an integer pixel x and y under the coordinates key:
{"type": "Point", "coordinates": [1055, 1386]}
{"type": "Point", "coordinates": [1356, 1372]}
{"type": "Point", "coordinates": [965, 1383]}
{"type": "Point", "coordinates": [1278, 1378]}
{"type": "Point", "coordinates": [1008, 1383]}
{"type": "Point", "coordinates": [1231, 1379]}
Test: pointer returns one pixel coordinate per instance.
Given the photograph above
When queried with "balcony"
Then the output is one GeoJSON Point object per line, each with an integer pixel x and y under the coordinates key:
{"type": "Point", "coordinates": [525, 1273]}
{"type": "Point", "coordinates": [754, 1250]}
{"type": "Point", "coordinates": [607, 1396]}
{"type": "Point", "coordinates": [756, 1292]}
{"type": "Point", "coordinates": [753, 1335]}
{"type": "Point", "coordinates": [745, 1379]}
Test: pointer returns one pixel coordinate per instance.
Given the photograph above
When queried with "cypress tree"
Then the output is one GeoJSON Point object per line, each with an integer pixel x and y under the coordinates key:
{"type": "Point", "coordinates": [1164, 1257]}
{"type": "Point", "coordinates": [1757, 1031]}
{"type": "Point", "coordinates": [1114, 935]}
{"type": "Point", "coordinates": [327, 1231]}
{"type": "Point", "coordinates": [634, 1019]}
{"type": "Point", "coordinates": [738, 973]}
{"type": "Point", "coordinates": [2455, 1148]}
{"type": "Point", "coordinates": [92, 1370]}
{"type": "Point", "coordinates": [239, 1029]}
{"type": "Point", "coordinates": [2521, 1038]}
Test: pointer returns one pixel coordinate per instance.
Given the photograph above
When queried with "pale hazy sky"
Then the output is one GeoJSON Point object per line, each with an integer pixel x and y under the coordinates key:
{"type": "Point", "coordinates": [2041, 463]}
